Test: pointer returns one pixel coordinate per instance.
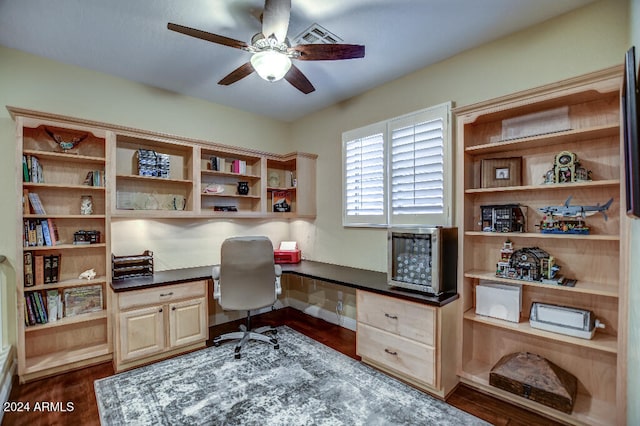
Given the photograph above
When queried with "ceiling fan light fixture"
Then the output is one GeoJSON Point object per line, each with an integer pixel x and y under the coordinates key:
{"type": "Point", "coordinates": [271, 65]}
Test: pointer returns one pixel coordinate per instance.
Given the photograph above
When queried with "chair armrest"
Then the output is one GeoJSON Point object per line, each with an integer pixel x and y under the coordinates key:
{"type": "Point", "coordinates": [215, 274]}
{"type": "Point", "coordinates": [278, 270]}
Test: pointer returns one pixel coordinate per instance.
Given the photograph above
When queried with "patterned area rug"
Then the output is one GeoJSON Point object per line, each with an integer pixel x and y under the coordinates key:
{"type": "Point", "coordinates": [302, 383]}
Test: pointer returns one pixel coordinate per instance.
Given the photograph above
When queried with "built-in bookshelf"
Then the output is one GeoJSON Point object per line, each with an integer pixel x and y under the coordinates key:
{"type": "Point", "coordinates": [63, 320]}
{"type": "Point", "coordinates": [589, 109]}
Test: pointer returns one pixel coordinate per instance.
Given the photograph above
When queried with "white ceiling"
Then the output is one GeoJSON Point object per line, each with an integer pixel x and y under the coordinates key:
{"type": "Point", "coordinates": [129, 39]}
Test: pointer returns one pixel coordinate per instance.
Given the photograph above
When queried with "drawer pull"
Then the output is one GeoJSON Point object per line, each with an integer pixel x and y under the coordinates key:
{"type": "Point", "coordinates": [160, 310]}
{"type": "Point", "coordinates": [391, 316]}
{"type": "Point", "coordinates": [166, 294]}
{"type": "Point", "coordinates": [391, 352]}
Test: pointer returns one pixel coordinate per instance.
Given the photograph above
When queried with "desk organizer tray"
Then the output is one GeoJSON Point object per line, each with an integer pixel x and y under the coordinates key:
{"type": "Point", "coordinates": [132, 266]}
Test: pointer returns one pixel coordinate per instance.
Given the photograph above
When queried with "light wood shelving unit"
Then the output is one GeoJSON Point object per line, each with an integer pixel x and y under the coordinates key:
{"type": "Point", "coordinates": [86, 339]}
{"type": "Point", "coordinates": [595, 260]}
{"type": "Point", "coordinates": [72, 341]}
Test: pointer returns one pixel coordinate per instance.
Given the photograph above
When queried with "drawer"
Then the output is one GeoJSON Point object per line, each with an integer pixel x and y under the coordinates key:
{"type": "Point", "coordinates": [163, 294]}
{"type": "Point", "coordinates": [408, 319]}
{"type": "Point", "coordinates": [415, 360]}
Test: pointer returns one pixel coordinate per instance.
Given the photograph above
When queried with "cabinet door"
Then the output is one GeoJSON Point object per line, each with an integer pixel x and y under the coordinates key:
{"type": "Point", "coordinates": [141, 332]}
{"type": "Point", "coordinates": [188, 322]}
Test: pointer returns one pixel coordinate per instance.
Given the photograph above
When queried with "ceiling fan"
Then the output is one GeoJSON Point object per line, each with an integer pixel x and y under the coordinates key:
{"type": "Point", "coordinates": [271, 50]}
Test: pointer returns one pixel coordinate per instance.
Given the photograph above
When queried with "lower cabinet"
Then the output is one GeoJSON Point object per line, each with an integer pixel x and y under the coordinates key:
{"type": "Point", "coordinates": [159, 322]}
{"type": "Point", "coordinates": [412, 341]}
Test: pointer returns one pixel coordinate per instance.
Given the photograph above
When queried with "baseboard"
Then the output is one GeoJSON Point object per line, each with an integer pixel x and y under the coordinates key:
{"type": "Point", "coordinates": [8, 363]}
{"type": "Point", "coordinates": [324, 314]}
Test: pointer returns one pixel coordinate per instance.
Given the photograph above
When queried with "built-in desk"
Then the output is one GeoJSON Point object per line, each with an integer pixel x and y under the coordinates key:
{"type": "Point", "coordinates": [407, 334]}
{"type": "Point", "coordinates": [360, 279]}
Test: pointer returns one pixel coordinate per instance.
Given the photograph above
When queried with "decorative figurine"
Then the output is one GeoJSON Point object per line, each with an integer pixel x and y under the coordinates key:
{"type": "Point", "coordinates": [575, 211]}
{"type": "Point", "coordinates": [88, 275]}
{"type": "Point", "coordinates": [68, 144]}
{"type": "Point", "coordinates": [566, 169]}
{"type": "Point", "coordinates": [86, 205]}
{"type": "Point", "coordinates": [503, 218]}
{"type": "Point", "coordinates": [529, 264]}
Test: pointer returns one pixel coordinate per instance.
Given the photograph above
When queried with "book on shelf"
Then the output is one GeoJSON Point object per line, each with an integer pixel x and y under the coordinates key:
{"type": "Point", "coordinates": [82, 300]}
{"type": "Point", "coordinates": [32, 169]}
{"type": "Point", "coordinates": [53, 304]}
{"type": "Point", "coordinates": [95, 178]}
{"type": "Point", "coordinates": [28, 269]}
{"type": "Point", "coordinates": [26, 206]}
{"type": "Point", "coordinates": [40, 232]}
{"type": "Point", "coordinates": [30, 315]}
{"type": "Point", "coordinates": [281, 201]}
{"type": "Point", "coordinates": [34, 199]}
{"type": "Point", "coordinates": [38, 266]}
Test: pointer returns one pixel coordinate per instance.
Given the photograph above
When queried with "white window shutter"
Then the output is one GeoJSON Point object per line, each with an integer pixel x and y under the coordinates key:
{"type": "Point", "coordinates": [364, 177]}
{"type": "Point", "coordinates": [420, 168]}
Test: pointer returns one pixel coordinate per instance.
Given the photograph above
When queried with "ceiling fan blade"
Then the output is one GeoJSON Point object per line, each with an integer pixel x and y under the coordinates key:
{"type": "Point", "coordinates": [203, 35]}
{"type": "Point", "coordinates": [328, 52]}
{"type": "Point", "coordinates": [298, 80]}
{"type": "Point", "coordinates": [275, 19]}
{"type": "Point", "coordinates": [238, 74]}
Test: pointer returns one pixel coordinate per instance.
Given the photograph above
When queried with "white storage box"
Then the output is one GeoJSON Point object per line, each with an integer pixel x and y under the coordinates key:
{"type": "Point", "coordinates": [500, 301]}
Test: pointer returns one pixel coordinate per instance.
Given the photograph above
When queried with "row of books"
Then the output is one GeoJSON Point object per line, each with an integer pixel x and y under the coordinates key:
{"type": "Point", "coordinates": [219, 164]}
{"type": "Point", "coordinates": [42, 307]}
{"type": "Point", "coordinates": [41, 269]}
{"type": "Point", "coordinates": [40, 232]}
{"type": "Point", "coordinates": [32, 169]}
{"type": "Point", "coordinates": [95, 178]}
{"type": "Point", "coordinates": [45, 306]}
{"type": "Point", "coordinates": [31, 203]}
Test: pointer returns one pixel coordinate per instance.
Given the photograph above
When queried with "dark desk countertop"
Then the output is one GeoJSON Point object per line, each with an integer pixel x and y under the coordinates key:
{"type": "Point", "coordinates": [361, 279]}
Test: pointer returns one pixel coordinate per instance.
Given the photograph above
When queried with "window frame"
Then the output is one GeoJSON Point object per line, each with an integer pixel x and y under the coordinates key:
{"type": "Point", "coordinates": [389, 219]}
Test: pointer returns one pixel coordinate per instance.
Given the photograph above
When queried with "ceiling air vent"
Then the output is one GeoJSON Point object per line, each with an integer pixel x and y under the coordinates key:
{"type": "Point", "coordinates": [316, 34]}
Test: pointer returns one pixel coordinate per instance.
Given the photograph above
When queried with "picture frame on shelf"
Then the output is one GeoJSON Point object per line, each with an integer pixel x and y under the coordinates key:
{"type": "Point", "coordinates": [501, 172]}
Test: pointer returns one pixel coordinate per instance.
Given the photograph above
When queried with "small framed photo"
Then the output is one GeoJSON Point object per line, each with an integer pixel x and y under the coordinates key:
{"type": "Point", "coordinates": [498, 172]}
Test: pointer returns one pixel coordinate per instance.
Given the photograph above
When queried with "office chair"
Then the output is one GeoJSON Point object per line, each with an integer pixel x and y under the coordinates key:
{"type": "Point", "coordinates": [247, 279]}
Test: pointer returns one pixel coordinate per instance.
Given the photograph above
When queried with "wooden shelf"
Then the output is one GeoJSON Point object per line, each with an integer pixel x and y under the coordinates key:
{"type": "Point", "coordinates": [61, 156]}
{"type": "Point", "coordinates": [592, 107]}
{"type": "Point", "coordinates": [136, 178]}
{"type": "Point", "coordinates": [32, 185]}
{"type": "Point", "coordinates": [92, 316]}
{"type": "Point", "coordinates": [66, 247]}
{"type": "Point", "coordinates": [600, 342]}
{"type": "Point", "coordinates": [58, 359]}
{"type": "Point", "coordinates": [68, 284]}
{"type": "Point", "coordinates": [290, 188]}
{"type": "Point", "coordinates": [550, 139]}
{"type": "Point", "coordinates": [64, 216]}
{"type": "Point", "coordinates": [548, 187]}
{"type": "Point", "coordinates": [586, 410]}
{"type": "Point", "coordinates": [238, 176]}
{"type": "Point", "coordinates": [222, 195]}
{"type": "Point", "coordinates": [538, 235]}
{"type": "Point", "coordinates": [608, 290]}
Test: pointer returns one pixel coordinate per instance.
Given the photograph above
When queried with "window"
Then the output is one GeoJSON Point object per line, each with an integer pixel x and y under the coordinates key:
{"type": "Point", "coordinates": [399, 172]}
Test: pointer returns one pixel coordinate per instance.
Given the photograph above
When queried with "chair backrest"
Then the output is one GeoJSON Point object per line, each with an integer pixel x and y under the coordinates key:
{"type": "Point", "coordinates": [247, 273]}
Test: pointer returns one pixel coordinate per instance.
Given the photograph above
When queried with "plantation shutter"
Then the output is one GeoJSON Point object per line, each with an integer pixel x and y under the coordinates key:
{"type": "Point", "coordinates": [364, 177]}
{"type": "Point", "coordinates": [419, 167]}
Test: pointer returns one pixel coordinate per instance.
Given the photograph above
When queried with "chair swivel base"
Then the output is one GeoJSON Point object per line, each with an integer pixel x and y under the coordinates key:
{"type": "Point", "coordinates": [245, 335]}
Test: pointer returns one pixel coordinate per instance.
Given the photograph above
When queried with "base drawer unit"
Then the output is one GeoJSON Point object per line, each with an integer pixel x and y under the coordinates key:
{"type": "Point", "coordinates": [398, 353]}
{"type": "Point", "coordinates": [413, 341]}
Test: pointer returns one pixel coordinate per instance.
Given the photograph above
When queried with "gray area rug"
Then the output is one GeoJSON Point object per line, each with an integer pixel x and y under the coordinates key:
{"type": "Point", "coordinates": [302, 383]}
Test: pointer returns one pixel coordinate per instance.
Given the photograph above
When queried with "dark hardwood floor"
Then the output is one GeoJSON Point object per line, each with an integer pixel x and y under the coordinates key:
{"type": "Point", "coordinates": [77, 387]}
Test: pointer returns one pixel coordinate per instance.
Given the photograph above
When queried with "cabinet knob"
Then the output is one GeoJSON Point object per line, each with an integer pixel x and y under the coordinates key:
{"type": "Point", "coordinates": [395, 317]}
{"type": "Point", "coordinates": [173, 308]}
{"type": "Point", "coordinates": [394, 353]}
{"type": "Point", "coordinates": [160, 310]}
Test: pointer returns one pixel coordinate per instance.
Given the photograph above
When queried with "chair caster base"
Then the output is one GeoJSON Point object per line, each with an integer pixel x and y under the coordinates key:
{"type": "Point", "coordinates": [276, 347]}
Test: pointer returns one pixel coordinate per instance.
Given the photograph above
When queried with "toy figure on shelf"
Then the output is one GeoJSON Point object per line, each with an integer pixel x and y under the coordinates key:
{"type": "Point", "coordinates": [529, 264]}
{"type": "Point", "coordinates": [566, 169]}
{"type": "Point", "coordinates": [505, 257]}
{"type": "Point", "coordinates": [551, 225]}
{"type": "Point", "coordinates": [503, 218]}
{"type": "Point", "coordinates": [576, 211]}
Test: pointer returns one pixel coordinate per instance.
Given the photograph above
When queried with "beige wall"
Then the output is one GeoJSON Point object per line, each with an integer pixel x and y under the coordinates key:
{"type": "Point", "coordinates": [588, 39]}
